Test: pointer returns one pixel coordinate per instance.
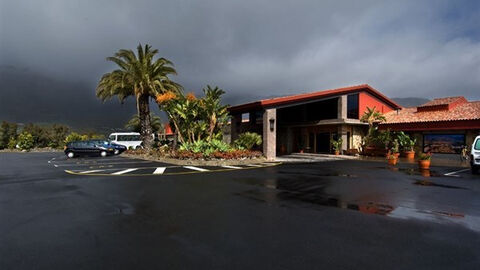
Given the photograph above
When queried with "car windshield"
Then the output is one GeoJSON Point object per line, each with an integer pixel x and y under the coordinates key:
{"type": "Point", "coordinates": [477, 144]}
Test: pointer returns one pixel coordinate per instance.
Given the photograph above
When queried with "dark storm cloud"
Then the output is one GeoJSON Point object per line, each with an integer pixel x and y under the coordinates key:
{"type": "Point", "coordinates": [251, 49]}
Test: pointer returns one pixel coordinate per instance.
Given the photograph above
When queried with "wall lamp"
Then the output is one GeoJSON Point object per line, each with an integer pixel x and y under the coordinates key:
{"type": "Point", "coordinates": [272, 124]}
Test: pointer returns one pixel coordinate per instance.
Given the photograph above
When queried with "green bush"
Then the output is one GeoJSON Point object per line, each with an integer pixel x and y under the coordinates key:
{"type": "Point", "coordinates": [12, 143]}
{"type": "Point", "coordinates": [75, 137]}
{"type": "Point", "coordinates": [247, 140]}
{"type": "Point", "coordinates": [7, 131]}
{"type": "Point", "coordinates": [25, 141]}
{"type": "Point", "coordinates": [206, 147]}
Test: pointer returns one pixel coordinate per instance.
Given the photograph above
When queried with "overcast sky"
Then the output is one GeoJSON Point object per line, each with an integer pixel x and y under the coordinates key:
{"type": "Point", "coordinates": [52, 51]}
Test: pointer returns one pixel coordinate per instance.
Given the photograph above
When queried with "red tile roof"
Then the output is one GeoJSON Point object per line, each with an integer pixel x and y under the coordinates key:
{"type": "Point", "coordinates": [272, 102]}
{"type": "Point", "coordinates": [463, 110]}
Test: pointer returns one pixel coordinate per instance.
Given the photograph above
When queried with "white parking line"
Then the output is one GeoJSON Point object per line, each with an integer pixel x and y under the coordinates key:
{"type": "Point", "coordinates": [159, 170]}
{"type": "Point", "coordinates": [455, 172]}
{"type": "Point", "coordinates": [125, 171]}
{"type": "Point", "coordinates": [254, 165]}
{"type": "Point", "coordinates": [195, 168]}
{"type": "Point", "coordinates": [91, 171]}
{"type": "Point", "coordinates": [231, 167]}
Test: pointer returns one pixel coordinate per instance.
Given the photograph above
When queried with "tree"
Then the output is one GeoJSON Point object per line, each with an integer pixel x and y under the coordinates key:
{"type": "Point", "coordinates": [141, 76]}
{"type": "Point", "coordinates": [372, 116]}
{"type": "Point", "coordinates": [7, 131]}
{"type": "Point", "coordinates": [215, 113]}
{"type": "Point", "coordinates": [134, 123]}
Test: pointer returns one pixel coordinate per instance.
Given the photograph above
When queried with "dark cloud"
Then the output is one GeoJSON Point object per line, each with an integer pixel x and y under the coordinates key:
{"type": "Point", "coordinates": [252, 49]}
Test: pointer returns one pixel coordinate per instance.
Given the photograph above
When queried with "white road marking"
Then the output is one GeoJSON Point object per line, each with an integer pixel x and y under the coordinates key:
{"type": "Point", "coordinates": [56, 166]}
{"type": "Point", "coordinates": [231, 167]}
{"type": "Point", "coordinates": [455, 172]}
{"type": "Point", "coordinates": [125, 171]}
{"type": "Point", "coordinates": [159, 170]}
{"type": "Point", "coordinates": [92, 171]}
{"type": "Point", "coordinates": [195, 168]}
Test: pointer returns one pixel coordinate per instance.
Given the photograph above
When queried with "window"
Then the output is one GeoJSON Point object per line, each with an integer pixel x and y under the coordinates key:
{"type": "Point", "coordinates": [128, 138]}
{"type": "Point", "coordinates": [111, 137]}
{"type": "Point", "coordinates": [477, 145]}
{"type": "Point", "coordinates": [352, 106]}
{"type": "Point", "coordinates": [443, 143]}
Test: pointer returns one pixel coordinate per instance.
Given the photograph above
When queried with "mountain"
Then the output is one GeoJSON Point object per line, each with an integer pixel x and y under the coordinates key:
{"type": "Point", "coordinates": [410, 101]}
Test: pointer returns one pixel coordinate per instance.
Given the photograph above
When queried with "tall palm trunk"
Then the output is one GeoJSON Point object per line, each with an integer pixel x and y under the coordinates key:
{"type": "Point", "coordinates": [143, 109]}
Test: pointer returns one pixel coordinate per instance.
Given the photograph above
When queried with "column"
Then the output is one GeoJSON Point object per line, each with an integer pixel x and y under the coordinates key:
{"type": "Point", "coordinates": [269, 133]}
{"type": "Point", "coordinates": [342, 107]}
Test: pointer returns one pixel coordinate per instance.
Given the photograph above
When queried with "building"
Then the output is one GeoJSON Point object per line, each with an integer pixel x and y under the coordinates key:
{"type": "Point", "coordinates": [443, 125]}
{"type": "Point", "coordinates": [308, 122]}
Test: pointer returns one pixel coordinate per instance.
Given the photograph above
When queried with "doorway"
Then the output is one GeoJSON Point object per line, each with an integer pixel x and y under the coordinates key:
{"type": "Point", "coordinates": [323, 142]}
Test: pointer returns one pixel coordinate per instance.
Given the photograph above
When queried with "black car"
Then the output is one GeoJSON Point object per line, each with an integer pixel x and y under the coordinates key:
{"type": "Point", "coordinates": [76, 148]}
{"type": "Point", "coordinates": [117, 148]}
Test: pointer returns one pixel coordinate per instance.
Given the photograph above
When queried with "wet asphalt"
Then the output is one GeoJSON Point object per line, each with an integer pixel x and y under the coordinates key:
{"type": "Point", "coordinates": [327, 215]}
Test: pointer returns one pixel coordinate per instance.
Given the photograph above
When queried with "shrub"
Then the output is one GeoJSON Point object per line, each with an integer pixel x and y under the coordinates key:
{"type": "Point", "coordinates": [12, 143]}
{"type": "Point", "coordinates": [337, 144]}
{"type": "Point", "coordinates": [25, 141]}
{"type": "Point", "coordinates": [248, 140]}
{"type": "Point", "coordinates": [425, 156]}
{"type": "Point", "coordinates": [206, 147]}
{"type": "Point", "coordinates": [75, 137]}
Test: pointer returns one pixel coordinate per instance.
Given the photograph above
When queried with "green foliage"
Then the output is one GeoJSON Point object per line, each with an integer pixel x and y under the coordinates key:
{"type": "Point", "coordinates": [395, 146]}
{"type": "Point", "coordinates": [196, 119]}
{"type": "Point", "coordinates": [141, 76]}
{"type": "Point", "coordinates": [43, 136]}
{"type": "Point", "coordinates": [7, 131]}
{"type": "Point", "coordinates": [75, 137]}
{"type": "Point", "coordinates": [425, 156]}
{"type": "Point", "coordinates": [25, 141]}
{"type": "Point", "coordinates": [12, 143]}
{"type": "Point", "coordinates": [406, 143]}
{"type": "Point", "coordinates": [337, 144]}
{"type": "Point", "coordinates": [134, 123]}
{"type": "Point", "coordinates": [248, 140]}
{"type": "Point", "coordinates": [206, 147]}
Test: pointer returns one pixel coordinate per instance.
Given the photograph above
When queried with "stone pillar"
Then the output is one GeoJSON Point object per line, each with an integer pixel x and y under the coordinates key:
{"type": "Point", "coordinates": [342, 133]}
{"type": "Point", "coordinates": [342, 107]}
{"type": "Point", "coordinates": [235, 123]}
{"type": "Point", "coordinates": [269, 135]}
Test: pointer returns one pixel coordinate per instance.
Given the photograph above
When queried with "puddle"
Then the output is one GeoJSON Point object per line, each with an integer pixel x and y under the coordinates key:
{"type": "Point", "coordinates": [413, 171]}
{"type": "Point", "coordinates": [432, 184]}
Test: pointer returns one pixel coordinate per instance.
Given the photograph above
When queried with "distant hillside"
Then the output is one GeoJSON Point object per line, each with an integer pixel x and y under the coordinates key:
{"type": "Point", "coordinates": [411, 101]}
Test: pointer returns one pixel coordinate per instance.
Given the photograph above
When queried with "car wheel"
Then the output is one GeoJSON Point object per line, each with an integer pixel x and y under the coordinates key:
{"type": "Point", "coordinates": [116, 152]}
{"type": "Point", "coordinates": [70, 155]}
{"type": "Point", "coordinates": [103, 153]}
{"type": "Point", "coordinates": [138, 147]}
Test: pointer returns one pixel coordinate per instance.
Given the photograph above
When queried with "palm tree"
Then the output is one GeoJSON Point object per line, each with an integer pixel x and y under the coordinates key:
{"type": "Point", "coordinates": [372, 116]}
{"type": "Point", "coordinates": [142, 77]}
{"type": "Point", "coordinates": [134, 123]}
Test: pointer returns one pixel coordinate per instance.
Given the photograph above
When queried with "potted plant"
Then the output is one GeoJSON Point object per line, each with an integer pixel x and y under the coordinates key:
{"type": "Point", "coordinates": [337, 145]}
{"type": "Point", "coordinates": [396, 148]}
{"type": "Point", "coordinates": [407, 145]}
{"type": "Point", "coordinates": [424, 160]}
{"type": "Point", "coordinates": [392, 159]}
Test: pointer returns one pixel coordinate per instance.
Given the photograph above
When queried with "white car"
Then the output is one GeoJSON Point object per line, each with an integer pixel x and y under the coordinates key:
{"type": "Point", "coordinates": [475, 155]}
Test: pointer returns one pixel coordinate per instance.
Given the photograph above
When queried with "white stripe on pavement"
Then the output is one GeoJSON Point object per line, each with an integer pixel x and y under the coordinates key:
{"type": "Point", "coordinates": [455, 172]}
{"type": "Point", "coordinates": [159, 170]}
{"type": "Point", "coordinates": [92, 171]}
{"type": "Point", "coordinates": [195, 168]}
{"type": "Point", "coordinates": [231, 167]}
{"type": "Point", "coordinates": [125, 171]}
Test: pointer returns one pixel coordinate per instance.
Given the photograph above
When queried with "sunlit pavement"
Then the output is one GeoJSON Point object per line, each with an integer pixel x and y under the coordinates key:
{"type": "Point", "coordinates": [346, 214]}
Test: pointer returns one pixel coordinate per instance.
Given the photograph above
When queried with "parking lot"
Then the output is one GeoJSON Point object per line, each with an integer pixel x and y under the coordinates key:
{"type": "Point", "coordinates": [122, 213]}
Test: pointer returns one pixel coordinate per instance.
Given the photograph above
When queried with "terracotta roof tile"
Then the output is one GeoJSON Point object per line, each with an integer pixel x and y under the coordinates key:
{"type": "Point", "coordinates": [463, 111]}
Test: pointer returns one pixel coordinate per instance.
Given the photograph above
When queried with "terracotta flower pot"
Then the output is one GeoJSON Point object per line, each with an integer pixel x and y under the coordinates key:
{"type": "Point", "coordinates": [337, 153]}
{"type": "Point", "coordinates": [301, 150]}
{"type": "Point", "coordinates": [424, 164]}
{"type": "Point", "coordinates": [396, 154]}
{"type": "Point", "coordinates": [392, 161]}
{"type": "Point", "coordinates": [410, 154]}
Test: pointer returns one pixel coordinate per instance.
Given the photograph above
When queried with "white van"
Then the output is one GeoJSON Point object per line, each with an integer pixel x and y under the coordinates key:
{"type": "Point", "coordinates": [475, 155]}
{"type": "Point", "coordinates": [128, 139]}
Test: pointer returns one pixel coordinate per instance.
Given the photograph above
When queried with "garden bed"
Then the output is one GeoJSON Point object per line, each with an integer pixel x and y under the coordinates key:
{"type": "Point", "coordinates": [237, 157]}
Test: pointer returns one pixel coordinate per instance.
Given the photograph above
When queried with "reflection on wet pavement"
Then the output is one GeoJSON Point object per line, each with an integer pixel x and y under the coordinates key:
{"type": "Point", "coordinates": [313, 191]}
